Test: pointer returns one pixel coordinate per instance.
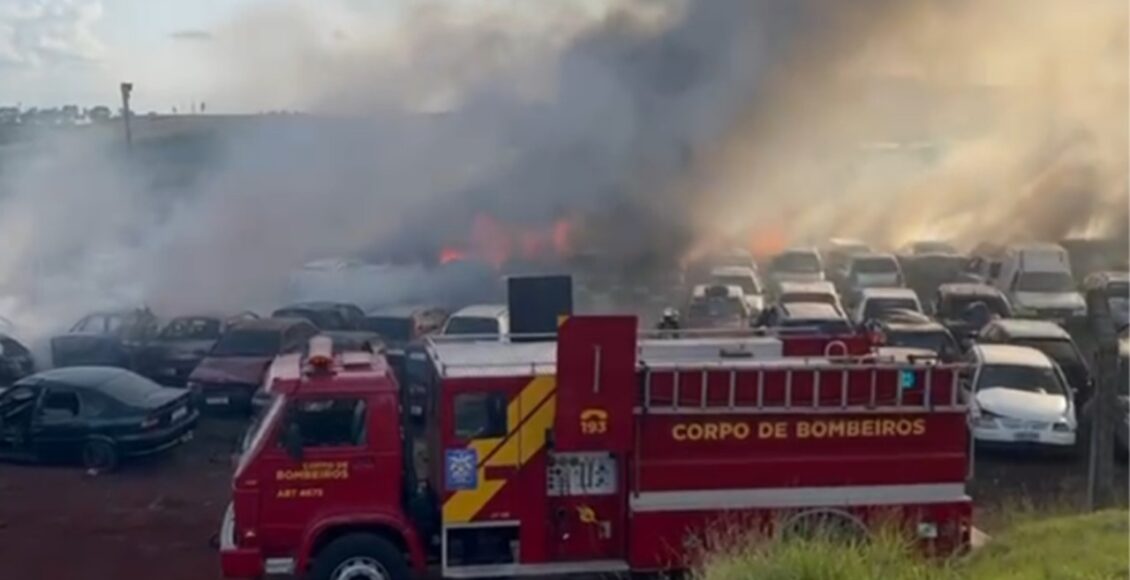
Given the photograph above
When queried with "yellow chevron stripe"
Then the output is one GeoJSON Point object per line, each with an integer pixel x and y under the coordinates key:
{"type": "Point", "coordinates": [520, 444]}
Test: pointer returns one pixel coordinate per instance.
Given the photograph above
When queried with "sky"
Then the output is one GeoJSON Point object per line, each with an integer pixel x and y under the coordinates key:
{"type": "Point", "coordinates": [56, 52]}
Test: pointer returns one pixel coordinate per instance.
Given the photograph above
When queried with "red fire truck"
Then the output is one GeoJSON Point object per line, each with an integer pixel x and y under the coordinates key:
{"type": "Point", "coordinates": [598, 452]}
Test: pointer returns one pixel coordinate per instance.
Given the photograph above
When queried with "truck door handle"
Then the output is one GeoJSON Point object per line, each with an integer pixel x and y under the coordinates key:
{"type": "Point", "coordinates": [364, 464]}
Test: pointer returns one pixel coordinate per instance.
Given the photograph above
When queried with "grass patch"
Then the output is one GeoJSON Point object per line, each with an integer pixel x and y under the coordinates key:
{"type": "Point", "coordinates": [1093, 546]}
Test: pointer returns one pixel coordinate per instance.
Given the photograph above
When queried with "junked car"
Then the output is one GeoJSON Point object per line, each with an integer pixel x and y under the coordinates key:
{"type": "Point", "coordinates": [16, 361]}
{"type": "Point", "coordinates": [111, 338]}
{"type": "Point", "coordinates": [806, 317]}
{"type": "Point", "coordinates": [797, 265]}
{"type": "Point", "coordinates": [873, 303]}
{"type": "Point", "coordinates": [95, 415]}
{"type": "Point", "coordinates": [872, 271]}
{"type": "Point", "coordinates": [956, 307]}
{"type": "Point", "coordinates": [746, 279]}
{"type": "Point", "coordinates": [228, 376]}
{"type": "Point", "coordinates": [324, 315]}
{"type": "Point", "coordinates": [1050, 339]}
{"type": "Point", "coordinates": [1116, 287]}
{"type": "Point", "coordinates": [181, 344]}
{"type": "Point", "coordinates": [717, 307]}
{"type": "Point", "coordinates": [1019, 399]}
{"type": "Point", "coordinates": [808, 292]}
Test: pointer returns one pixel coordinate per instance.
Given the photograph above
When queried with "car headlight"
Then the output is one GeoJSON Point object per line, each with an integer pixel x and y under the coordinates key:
{"type": "Point", "coordinates": [1062, 426]}
{"type": "Point", "coordinates": [985, 421]}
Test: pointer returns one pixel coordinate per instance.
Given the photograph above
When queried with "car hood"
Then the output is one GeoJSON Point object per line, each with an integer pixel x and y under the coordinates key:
{"type": "Point", "coordinates": [1016, 404]}
{"type": "Point", "coordinates": [235, 369]}
{"type": "Point", "coordinates": [1059, 300]}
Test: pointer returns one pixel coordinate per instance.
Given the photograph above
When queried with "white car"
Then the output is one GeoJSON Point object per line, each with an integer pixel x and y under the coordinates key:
{"type": "Point", "coordinates": [746, 280]}
{"type": "Point", "coordinates": [1019, 397]}
{"type": "Point", "coordinates": [481, 320]}
{"type": "Point", "coordinates": [809, 292]}
{"type": "Point", "coordinates": [797, 265]}
{"type": "Point", "coordinates": [874, 271]}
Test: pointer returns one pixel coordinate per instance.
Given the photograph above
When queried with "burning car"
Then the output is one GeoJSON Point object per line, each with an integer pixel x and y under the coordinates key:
{"type": "Point", "coordinates": [182, 343]}
{"type": "Point", "coordinates": [111, 338]}
{"type": "Point", "coordinates": [325, 315]}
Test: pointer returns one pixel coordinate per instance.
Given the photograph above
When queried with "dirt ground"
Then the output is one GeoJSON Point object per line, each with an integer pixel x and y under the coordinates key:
{"type": "Point", "coordinates": [156, 519]}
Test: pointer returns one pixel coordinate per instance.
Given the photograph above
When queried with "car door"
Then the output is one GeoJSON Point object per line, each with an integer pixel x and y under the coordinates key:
{"type": "Point", "coordinates": [58, 428]}
{"type": "Point", "coordinates": [17, 409]}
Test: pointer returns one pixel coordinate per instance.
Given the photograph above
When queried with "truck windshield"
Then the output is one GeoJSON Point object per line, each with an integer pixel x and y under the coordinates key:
{"type": "Point", "coordinates": [799, 262]}
{"type": "Point", "coordinates": [1045, 282]}
{"type": "Point", "coordinates": [1021, 378]}
{"type": "Point", "coordinates": [471, 325]}
{"type": "Point", "coordinates": [392, 328]}
{"type": "Point", "coordinates": [257, 433]}
{"type": "Point", "coordinates": [248, 343]}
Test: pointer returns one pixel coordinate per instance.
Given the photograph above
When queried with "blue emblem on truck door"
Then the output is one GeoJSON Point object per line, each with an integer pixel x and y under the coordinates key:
{"type": "Point", "coordinates": [461, 467]}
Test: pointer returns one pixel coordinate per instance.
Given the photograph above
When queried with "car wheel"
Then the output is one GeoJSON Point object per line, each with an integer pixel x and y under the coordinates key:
{"type": "Point", "coordinates": [99, 455]}
{"type": "Point", "coordinates": [360, 557]}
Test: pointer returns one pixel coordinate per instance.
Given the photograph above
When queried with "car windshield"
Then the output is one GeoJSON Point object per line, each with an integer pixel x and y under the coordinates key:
{"type": "Point", "coordinates": [1045, 282]}
{"type": "Point", "coordinates": [954, 306]}
{"type": "Point", "coordinates": [393, 328]}
{"type": "Point", "coordinates": [1021, 378]}
{"type": "Point", "coordinates": [248, 343]}
{"type": "Point", "coordinates": [874, 266]}
{"type": "Point", "coordinates": [472, 325]}
{"type": "Point", "coordinates": [876, 307]}
{"type": "Point", "coordinates": [716, 308]}
{"type": "Point", "coordinates": [821, 297]}
{"type": "Point", "coordinates": [938, 341]}
{"type": "Point", "coordinates": [191, 329]}
{"type": "Point", "coordinates": [1063, 352]}
{"type": "Point", "coordinates": [800, 262]}
{"type": "Point", "coordinates": [746, 283]}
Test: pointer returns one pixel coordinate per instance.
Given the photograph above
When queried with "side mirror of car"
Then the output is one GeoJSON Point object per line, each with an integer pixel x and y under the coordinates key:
{"type": "Point", "coordinates": [292, 441]}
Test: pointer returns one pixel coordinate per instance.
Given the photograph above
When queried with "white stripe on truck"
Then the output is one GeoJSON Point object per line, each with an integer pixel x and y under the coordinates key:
{"type": "Point", "coordinates": [795, 497]}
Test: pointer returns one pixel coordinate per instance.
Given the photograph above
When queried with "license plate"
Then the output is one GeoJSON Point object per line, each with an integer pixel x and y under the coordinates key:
{"type": "Point", "coordinates": [216, 400]}
{"type": "Point", "coordinates": [1026, 436]}
{"type": "Point", "coordinates": [181, 412]}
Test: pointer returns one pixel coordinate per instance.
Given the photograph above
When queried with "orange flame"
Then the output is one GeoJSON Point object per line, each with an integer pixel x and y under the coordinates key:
{"type": "Point", "coordinates": [449, 254]}
{"type": "Point", "coordinates": [497, 243]}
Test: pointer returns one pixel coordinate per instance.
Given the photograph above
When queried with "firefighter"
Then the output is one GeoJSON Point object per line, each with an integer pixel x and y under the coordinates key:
{"type": "Point", "coordinates": [669, 324]}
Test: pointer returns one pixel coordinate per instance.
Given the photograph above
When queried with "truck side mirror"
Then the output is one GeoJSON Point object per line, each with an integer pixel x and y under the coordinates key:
{"type": "Point", "coordinates": [292, 441]}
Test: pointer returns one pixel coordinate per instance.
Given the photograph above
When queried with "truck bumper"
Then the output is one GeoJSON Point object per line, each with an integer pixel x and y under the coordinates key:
{"type": "Point", "coordinates": [236, 562]}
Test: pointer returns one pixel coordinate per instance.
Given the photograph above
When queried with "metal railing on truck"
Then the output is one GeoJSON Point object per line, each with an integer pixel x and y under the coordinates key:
{"type": "Point", "coordinates": [802, 385]}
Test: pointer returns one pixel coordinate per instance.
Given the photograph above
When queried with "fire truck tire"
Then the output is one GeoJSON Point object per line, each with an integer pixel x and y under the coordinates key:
{"type": "Point", "coordinates": [99, 455]}
{"type": "Point", "coordinates": [360, 557]}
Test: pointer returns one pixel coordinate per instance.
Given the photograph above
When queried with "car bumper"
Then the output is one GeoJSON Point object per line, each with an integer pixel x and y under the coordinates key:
{"type": "Point", "coordinates": [229, 396]}
{"type": "Point", "coordinates": [237, 562]}
{"type": "Point", "coordinates": [159, 440]}
{"type": "Point", "coordinates": [1018, 438]}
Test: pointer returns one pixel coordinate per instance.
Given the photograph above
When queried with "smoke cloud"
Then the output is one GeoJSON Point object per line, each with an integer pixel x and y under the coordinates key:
{"type": "Point", "coordinates": [656, 126]}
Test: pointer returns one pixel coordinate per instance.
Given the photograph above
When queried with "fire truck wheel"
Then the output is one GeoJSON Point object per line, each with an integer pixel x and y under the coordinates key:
{"type": "Point", "coordinates": [99, 455]}
{"type": "Point", "coordinates": [360, 557]}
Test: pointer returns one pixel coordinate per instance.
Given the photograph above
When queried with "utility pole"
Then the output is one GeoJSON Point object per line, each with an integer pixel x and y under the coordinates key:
{"type": "Point", "coordinates": [1100, 474]}
{"type": "Point", "coordinates": [127, 88]}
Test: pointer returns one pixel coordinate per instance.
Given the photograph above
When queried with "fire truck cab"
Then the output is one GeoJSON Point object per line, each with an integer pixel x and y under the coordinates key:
{"type": "Point", "coordinates": [599, 452]}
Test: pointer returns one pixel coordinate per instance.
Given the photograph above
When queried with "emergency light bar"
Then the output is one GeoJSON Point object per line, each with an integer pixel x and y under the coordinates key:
{"type": "Point", "coordinates": [321, 353]}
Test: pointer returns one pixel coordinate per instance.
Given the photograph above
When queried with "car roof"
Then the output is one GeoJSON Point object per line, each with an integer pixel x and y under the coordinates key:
{"type": "Point", "coordinates": [399, 310]}
{"type": "Point", "coordinates": [908, 324]}
{"type": "Point", "coordinates": [82, 376]}
{"type": "Point", "coordinates": [1024, 328]}
{"type": "Point", "coordinates": [268, 323]}
{"type": "Point", "coordinates": [969, 289]}
{"type": "Point", "coordinates": [314, 305]}
{"type": "Point", "coordinates": [822, 287]}
{"type": "Point", "coordinates": [811, 311]}
{"type": "Point", "coordinates": [887, 293]}
{"type": "Point", "coordinates": [731, 291]}
{"type": "Point", "coordinates": [1008, 354]}
{"type": "Point", "coordinates": [732, 271]}
{"type": "Point", "coordinates": [873, 256]}
{"type": "Point", "coordinates": [481, 311]}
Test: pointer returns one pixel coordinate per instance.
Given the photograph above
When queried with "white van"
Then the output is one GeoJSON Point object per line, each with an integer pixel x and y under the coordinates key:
{"type": "Point", "coordinates": [1037, 279]}
{"type": "Point", "coordinates": [480, 320]}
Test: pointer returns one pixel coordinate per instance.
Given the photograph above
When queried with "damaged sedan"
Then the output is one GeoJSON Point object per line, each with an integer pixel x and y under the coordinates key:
{"type": "Point", "coordinates": [181, 344]}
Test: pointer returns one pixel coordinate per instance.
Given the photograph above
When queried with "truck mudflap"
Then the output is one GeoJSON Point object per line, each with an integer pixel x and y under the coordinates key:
{"type": "Point", "coordinates": [236, 562]}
